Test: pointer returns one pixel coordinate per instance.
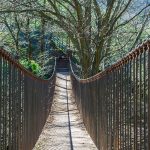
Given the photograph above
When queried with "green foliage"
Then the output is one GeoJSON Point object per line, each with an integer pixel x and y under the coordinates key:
{"type": "Point", "coordinates": [32, 66]}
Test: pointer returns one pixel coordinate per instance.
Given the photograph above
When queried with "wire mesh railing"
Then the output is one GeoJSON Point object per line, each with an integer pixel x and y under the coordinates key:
{"type": "Point", "coordinates": [115, 104]}
{"type": "Point", "coordinates": [25, 102]}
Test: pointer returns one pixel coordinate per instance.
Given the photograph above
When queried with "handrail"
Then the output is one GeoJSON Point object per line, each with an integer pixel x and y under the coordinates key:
{"type": "Point", "coordinates": [130, 56]}
{"type": "Point", "coordinates": [25, 103]}
{"type": "Point", "coordinates": [8, 57]}
{"type": "Point", "coordinates": [115, 104]}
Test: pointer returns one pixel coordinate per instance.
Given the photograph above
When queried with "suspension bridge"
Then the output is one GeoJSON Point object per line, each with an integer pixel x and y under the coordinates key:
{"type": "Point", "coordinates": [109, 111]}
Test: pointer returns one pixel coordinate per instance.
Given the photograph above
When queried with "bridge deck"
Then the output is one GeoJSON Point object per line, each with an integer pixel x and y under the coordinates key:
{"type": "Point", "coordinates": [64, 129]}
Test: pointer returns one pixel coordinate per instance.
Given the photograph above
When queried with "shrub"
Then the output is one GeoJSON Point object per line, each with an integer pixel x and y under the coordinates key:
{"type": "Point", "coordinates": [32, 66]}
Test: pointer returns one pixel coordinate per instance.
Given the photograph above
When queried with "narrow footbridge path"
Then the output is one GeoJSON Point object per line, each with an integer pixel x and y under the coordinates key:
{"type": "Point", "coordinates": [108, 111]}
{"type": "Point", "coordinates": [64, 129]}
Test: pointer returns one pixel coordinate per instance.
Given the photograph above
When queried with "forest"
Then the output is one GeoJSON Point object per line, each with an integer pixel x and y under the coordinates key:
{"type": "Point", "coordinates": [105, 91]}
{"type": "Point", "coordinates": [97, 32]}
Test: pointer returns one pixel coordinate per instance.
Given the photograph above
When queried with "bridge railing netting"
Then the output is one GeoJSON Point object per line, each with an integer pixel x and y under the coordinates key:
{"type": "Point", "coordinates": [115, 104]}
{"type": "Point", "coordinates": [25, 102]}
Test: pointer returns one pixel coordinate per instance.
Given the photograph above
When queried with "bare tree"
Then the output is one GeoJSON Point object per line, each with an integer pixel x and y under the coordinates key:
{"type": "Point", "coordinates": [91, 25]}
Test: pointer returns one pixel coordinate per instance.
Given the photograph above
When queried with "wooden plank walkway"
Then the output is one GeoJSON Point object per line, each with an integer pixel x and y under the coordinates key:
{"type": "Point", "coordinates": [64, 129]}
